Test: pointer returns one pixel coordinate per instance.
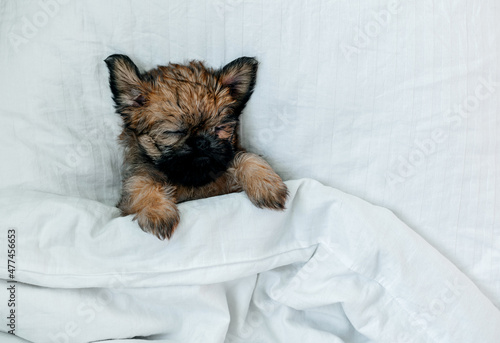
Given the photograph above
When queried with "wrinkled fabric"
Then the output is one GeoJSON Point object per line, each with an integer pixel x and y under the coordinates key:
{"type": "Point", "coordinates": [331, 267]}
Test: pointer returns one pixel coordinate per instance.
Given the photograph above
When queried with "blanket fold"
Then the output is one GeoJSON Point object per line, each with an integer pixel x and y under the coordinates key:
{"type": "Point", "coordinates": [331, 267]}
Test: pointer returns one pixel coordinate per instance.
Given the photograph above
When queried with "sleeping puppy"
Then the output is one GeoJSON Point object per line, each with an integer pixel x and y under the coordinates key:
{"type": "Point", "coordinates": [180, 134]}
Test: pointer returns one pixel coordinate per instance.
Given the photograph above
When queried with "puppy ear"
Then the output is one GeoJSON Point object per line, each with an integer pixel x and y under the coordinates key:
{"type": "Point", "coordinates": [125, 81]}
{"type": "Point", "coordinates": [240, 76]}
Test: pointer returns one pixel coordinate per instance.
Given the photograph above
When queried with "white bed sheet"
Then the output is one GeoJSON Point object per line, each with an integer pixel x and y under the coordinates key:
{"type": "Point", "coordinates": [393, 102]}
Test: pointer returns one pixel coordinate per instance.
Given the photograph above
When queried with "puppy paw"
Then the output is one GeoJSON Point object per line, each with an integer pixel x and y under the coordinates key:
{"type": "Point", "coordinates": [160, 221]}
{"type": "Point", "coordinates": [259, 181]}
{"type": "Point", "coordinates": [152, 203]}
{"type": "Point", "coordinates": [268, 192]}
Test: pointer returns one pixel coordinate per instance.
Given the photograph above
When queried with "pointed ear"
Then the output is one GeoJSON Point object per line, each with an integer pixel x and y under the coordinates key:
{"type": "Point", "coordinates": [240, 76]}
{"type": "Point", "coordinates": [125, 81]}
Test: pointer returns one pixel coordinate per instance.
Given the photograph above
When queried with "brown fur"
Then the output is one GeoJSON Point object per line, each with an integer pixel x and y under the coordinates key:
{"type": "Point", "coordinates": [262, 185]}
{"type": "Point", "coordinates": [163, 110]}
{"type": "Point", "coordinates": [152, 202]}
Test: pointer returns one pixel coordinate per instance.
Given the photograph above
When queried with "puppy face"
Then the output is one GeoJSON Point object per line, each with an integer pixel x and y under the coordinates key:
{"type": "Point", "coordinates": [183, 119]}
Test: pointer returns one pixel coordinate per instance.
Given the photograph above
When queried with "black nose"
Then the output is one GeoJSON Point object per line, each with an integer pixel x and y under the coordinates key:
{"type": "Point", "coordinates": [201, 143]}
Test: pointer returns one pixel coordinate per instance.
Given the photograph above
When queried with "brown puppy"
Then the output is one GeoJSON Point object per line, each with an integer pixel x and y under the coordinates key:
{"type": "Point", "coordinates": [180, 134]}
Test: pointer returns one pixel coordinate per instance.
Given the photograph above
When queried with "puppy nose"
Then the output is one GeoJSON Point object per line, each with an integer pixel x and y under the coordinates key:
{"type": "Point", "coordinates": [201, 143]}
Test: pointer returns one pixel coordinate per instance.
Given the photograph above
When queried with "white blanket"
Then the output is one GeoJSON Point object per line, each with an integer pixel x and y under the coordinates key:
{"type": "Point", "coordinates": [331, 268]}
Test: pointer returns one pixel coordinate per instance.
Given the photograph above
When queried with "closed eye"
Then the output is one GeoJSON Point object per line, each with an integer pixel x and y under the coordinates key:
{"type": "Point", "coordinates": [178, 132]}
